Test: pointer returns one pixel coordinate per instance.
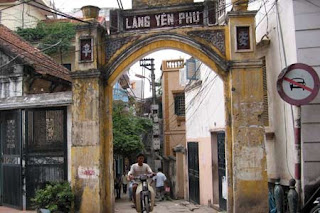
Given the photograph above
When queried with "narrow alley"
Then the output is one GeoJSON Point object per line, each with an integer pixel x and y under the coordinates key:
{"type": "Point", "coordinates": [124, 206]}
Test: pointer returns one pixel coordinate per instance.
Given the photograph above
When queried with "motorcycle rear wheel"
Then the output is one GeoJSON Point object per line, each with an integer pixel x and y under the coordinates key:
{"type": "Point", "coordinates": [315, 209]}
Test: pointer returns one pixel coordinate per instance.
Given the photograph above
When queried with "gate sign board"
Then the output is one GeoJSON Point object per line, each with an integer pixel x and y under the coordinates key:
{"type": "Point", "coordinates": [163, 17]}
{"type": "Point", "coordinates": [298, 84]}
{"type": "Point", "coordinates": [191, 17]}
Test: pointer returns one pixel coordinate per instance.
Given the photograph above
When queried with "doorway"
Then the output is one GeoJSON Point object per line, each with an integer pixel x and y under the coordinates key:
{"type": "Point", "coordinates": [11, 161]}
{"type": "Point", "coordinates": [193, 172]}
{"type": "Point", "coordinates": [34, 143]}
{"type": "Point", "coordinates": [45, 149]}
{"type": "Point", "coordinates": [222, 171]}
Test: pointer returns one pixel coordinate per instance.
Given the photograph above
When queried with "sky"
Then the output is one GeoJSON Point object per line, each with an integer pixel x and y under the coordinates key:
{"type": "Point", "coordinates": [67, 5]}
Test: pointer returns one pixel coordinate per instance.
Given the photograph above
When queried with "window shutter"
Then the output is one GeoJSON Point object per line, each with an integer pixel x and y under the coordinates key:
{"type": "Point", "coordinates": [191, 65]}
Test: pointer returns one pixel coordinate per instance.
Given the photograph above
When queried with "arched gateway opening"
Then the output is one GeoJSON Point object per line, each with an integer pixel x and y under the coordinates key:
{"type": "Point", "coordinates": [228, 50]}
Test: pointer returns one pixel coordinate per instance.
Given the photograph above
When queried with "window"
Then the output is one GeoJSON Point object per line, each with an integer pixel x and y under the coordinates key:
{"type": "Point", "coordinates": [243, 38]}
{"type": "Point", "coordinates": [179, 104]}
{"type": "Point", "coordinates": [221, 8]}
{"type": "Point", "coordinates": [86, 49]}
{"type": "Point", "coordinates": [192, 66]}
{"type": "Point", "coordinates": [68, 66]}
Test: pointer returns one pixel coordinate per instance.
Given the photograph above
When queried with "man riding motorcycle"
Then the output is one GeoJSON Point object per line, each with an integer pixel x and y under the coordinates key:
{"type": "Point", "coordinates": [136, 170]}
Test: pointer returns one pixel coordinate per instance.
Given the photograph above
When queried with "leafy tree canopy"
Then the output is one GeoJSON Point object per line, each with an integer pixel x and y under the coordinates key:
{"type": "Point", "coordinates": [127, 130]}
{"type": "Point", "coordinates": [48, 34]}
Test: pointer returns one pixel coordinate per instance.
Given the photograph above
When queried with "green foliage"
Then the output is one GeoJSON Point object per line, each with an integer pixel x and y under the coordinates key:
{"type": "Point", "coordinates": [56, 196]}
{"type": "Point", "coordinates": [50, 34]}
{"type": "Point", "coordinates": [127, 131]}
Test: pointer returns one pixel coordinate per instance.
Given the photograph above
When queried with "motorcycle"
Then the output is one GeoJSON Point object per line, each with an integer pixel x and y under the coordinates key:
{"type": "Point", "coordinates": [145, 195]}
{"type": "Point", "coordinates": [316, 209]}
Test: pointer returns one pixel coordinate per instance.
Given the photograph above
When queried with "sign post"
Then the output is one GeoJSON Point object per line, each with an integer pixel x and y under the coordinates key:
{"type": "Point", "coordinates": [298, 84]}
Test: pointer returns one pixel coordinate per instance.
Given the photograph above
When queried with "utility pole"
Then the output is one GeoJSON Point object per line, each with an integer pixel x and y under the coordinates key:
{"type": "Point", "coordinates": [148, 63]}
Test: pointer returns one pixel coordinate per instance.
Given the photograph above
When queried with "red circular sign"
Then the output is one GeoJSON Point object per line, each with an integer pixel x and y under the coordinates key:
{"type": "Point", "coordinates": [298, 84]}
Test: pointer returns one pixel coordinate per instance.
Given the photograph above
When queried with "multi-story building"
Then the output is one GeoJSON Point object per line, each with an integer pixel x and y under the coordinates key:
{"type": "Point", "coordinates": [173, 109]}
{"type": "Point", "coordinates": [19, 14]}
{"type": "Point", "coordinates": [205, 134]}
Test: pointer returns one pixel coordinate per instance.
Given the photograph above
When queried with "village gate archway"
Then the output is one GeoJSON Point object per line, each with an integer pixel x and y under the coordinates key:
{"type": "Point", "coordinates": [229, 50]}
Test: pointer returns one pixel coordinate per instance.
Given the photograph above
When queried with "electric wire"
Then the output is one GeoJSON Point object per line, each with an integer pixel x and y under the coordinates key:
{"type": "Point", "coordinates": [32, 53]}
{"type": "Point", "coordinates": [130, 88]}
{"type": "Point", "coordinates": [55, 11]}
{"type": "Point", "coordinates": [274, 4]}
{"type": "Point", "coordinates": [120, 4]}
{"type": "Point", "coordinates": [314, 4]}
{"type": "Point", "coordinates": [28, 52]}
{"type": "Point", "coordinates": [172, 118]}
{"type": "Point", "coordinates": [6, 8]}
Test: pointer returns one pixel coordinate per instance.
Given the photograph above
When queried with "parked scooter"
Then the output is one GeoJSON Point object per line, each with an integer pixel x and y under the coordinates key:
{"type": "Point", "coordinates": [316, 208]}
{"type": "Point", "coordinates": [145, 195]}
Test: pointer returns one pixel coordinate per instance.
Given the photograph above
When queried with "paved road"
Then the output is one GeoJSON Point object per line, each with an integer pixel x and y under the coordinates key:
{"type": "Point", "coordinates": [124, 206]}
{"type": "Point", "coordinates": [4, 209]}
{"type": "Point", "coordinates": [176, 206]}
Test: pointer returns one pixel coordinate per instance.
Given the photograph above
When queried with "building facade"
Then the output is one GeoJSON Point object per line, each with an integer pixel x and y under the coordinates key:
{"type": "Point", "coordinates": [16, 14]}
{"type": "Point", "coordinates": [205, 134]}
{"type": "Point", "coordinates": [288, 33]}
{"type": "Point", "coordinates": [35, 99]}
{"type": "Point", "coordinates": [173, 111]}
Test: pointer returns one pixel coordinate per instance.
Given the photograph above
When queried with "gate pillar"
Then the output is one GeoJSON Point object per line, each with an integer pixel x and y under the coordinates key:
{"type": "Point", "coordinates": [91, 167]}
{"type": "Point", "coordinates": [248, 189]}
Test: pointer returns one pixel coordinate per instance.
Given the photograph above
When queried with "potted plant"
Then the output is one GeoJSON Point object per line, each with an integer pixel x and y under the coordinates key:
{"type": "Point", "coordinates": [55, 197]}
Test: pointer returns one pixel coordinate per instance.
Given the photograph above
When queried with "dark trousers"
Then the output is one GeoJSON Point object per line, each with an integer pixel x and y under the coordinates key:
{"type": "Point", "coordinates": [118, 190]}
{"type": "Point", "coordinates": [124, 188]}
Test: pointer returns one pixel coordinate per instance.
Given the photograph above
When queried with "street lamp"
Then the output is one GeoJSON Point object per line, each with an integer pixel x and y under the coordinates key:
{"type": "Point", "coordinates": [156, 84]}
{"type": "Point", "coordinates": [142, 76]}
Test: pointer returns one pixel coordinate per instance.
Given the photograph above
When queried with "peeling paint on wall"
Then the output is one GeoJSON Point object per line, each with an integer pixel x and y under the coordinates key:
{"type": "Point", "coordinates": [250, 163]}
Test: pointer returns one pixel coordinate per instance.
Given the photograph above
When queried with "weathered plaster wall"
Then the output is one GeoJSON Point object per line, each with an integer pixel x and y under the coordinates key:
{"type": "Point", "coordinates": [249, 166]}
{"type": "Point", "coordinates": [69, 140]}
{"type": "Point", "coordinates": [249, 158]}
{"type": "Point", "coordinates": [85, 150]}
{"type": "Point", "coordinates": [91, 150]}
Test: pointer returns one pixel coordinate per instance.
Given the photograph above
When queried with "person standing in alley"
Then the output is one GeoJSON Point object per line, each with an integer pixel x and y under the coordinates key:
{"type": "Point", "coordinates": [124, 181]}
{"type": "Point", "coordinates": [117, 186]}
{"type": "Point", "coordinates": [160, 179]}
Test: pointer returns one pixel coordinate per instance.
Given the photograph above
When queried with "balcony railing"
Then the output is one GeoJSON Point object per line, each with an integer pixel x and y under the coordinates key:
{"type": "Point", "coordinates": [173, 64]}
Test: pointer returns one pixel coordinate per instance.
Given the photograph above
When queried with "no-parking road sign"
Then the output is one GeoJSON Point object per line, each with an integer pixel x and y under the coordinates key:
{"type": "Point", "coordinates": [298, 84]}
